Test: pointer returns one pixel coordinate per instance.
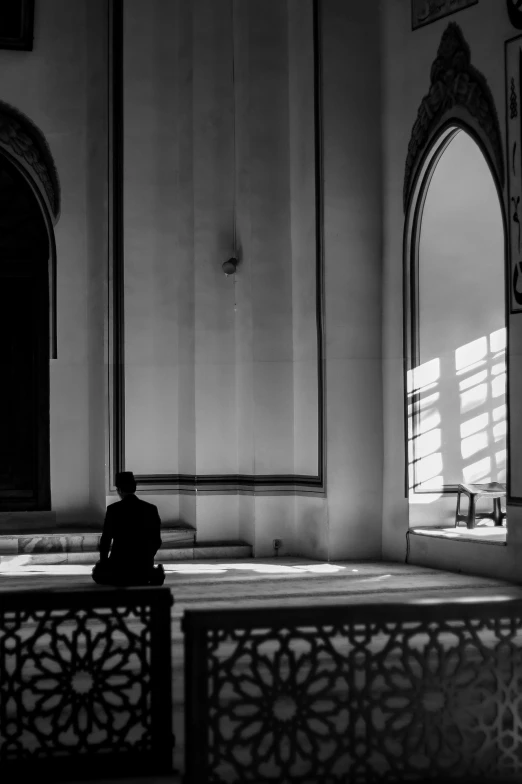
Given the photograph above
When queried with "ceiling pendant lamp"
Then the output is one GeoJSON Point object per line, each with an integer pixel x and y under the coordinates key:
{"type": "Point", "coordinates": [230, 265]}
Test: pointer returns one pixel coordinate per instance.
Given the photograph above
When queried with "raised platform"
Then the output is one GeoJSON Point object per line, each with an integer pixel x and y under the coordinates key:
{"type": "Point", "coordinates": [82, 547]}
{"type": "Point", "coordinates": [485, 533]}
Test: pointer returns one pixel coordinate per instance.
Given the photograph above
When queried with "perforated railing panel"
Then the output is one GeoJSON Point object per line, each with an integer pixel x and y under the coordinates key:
{"type": "Point", "coordinates": [85, 682]}
{"type": "Point", "coordinates": [389, 692]}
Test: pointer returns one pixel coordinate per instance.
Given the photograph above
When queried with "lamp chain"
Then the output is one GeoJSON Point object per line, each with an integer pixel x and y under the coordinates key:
{"type": "Point", "coordinates": [234, 205]}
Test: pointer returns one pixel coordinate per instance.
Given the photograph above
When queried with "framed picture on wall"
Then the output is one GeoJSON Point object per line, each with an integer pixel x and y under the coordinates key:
{"type": "Point", "coordinates": [513, 65]}
{"type": "Point", "coordinates": [16, 24]}
{"type": "Point", "coordinates": [424, 12]}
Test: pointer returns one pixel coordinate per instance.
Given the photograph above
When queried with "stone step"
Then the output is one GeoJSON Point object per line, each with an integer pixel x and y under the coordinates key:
{"type": "Point", "coordinates": [204, 550]}
{"type": "Point", "coordinates": [64, 541]}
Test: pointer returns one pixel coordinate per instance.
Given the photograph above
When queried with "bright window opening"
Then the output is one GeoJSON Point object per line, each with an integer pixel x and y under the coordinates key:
{"type": "Point", "coordinates": [457, 389]}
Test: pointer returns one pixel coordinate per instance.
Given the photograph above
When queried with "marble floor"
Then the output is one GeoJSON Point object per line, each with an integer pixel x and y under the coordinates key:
{"type": "Point", "coordinates": [268, 582]}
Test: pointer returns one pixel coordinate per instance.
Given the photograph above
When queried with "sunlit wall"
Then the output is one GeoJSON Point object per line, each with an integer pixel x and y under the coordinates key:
{"type": "Point", "coordinates": [457, 392]}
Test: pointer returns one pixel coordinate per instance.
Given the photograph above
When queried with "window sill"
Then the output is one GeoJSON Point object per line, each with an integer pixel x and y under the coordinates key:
{"type": "Point", "coordinates": [484, 534]}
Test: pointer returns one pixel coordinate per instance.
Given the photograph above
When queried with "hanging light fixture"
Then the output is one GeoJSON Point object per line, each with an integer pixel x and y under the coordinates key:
{"type": "Point", "coordinates": [230, 266]}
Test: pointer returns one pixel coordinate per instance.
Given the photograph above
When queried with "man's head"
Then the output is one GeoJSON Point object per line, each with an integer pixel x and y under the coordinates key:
{"type": "Point", "coordinates": [125, 483]}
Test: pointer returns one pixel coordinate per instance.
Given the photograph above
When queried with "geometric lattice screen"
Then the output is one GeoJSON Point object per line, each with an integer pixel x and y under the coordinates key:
{"type": "Point", "coordinates": [85, 683]}
{"type": "Point", "coordinates": [362, 693]}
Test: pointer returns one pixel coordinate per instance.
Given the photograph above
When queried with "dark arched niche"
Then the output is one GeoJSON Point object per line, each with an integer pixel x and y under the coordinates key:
{"type": "Point", "coordinates": [25, 249]}
{"type": "Point", "coordinates": [458, 91]}
{"type": "Point", "coordinates": [23, 147]}
{"type": "Point", "coordinates": [29, 210]}
{"type": "Point", "coordinates": [23, 232]}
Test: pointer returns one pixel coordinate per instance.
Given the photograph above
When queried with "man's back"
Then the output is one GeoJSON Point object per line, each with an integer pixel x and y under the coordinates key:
{"type": "Point", "coordinates": [133, 527]}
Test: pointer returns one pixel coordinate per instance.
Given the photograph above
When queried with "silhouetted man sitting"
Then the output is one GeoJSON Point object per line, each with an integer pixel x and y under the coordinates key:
{"type": "Point", "coordinates": [132, 526]}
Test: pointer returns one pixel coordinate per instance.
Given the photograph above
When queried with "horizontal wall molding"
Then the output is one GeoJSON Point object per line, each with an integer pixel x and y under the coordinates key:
{"type": "Point", "coordinates": [444, 490]}
{"type": "Point", "coordinates": [277, 484]}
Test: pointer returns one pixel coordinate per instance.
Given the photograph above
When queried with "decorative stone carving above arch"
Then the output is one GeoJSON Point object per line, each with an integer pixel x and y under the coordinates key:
{"type": "Point", "coordinates": [26, 144]}
{"type": "Point", "coordinates": [457, 90]}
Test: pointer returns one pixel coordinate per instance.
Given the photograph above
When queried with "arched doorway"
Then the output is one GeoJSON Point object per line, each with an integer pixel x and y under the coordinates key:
{"type": "Point", "coordinates": [456, 320]}
{"type": "Point", "coordinates": [24, 324]}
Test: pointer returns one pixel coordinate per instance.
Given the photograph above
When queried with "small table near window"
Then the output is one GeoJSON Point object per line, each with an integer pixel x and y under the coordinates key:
{"type": "Point", "coordinates": [493, 490]}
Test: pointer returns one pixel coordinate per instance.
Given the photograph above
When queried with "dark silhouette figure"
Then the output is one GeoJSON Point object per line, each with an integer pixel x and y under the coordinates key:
{"type": "Point", "coordinates": [132, 527]}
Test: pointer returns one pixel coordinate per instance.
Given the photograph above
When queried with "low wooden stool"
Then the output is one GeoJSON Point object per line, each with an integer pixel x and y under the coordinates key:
{"type": "Point", "coordinates": [493, 490]}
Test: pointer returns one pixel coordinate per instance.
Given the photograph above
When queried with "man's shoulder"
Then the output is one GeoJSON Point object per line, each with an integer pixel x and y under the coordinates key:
{"type": "Point", "coordinates": [147, 507]}
{"type": "Point", "coordinates": [146, 503]}
{"type": "Point", "coordinates": [113, 507]}
{"type": "Point", "coordinates": [124, 507]}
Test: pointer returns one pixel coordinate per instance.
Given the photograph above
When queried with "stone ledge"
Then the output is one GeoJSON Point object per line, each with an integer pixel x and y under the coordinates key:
{"type": "Point", "coordinates": [480, 535]}
{"type": "Point", "coordinates": [61, 542]}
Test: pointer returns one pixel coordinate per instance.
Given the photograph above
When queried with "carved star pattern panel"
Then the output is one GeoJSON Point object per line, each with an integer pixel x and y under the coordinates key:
{"type": "Point", "coordinates": [77, 683]}
{"type": "Point", "coordinates": [74, 680]}
{"type": "Point", "coordinates": [363, 702]}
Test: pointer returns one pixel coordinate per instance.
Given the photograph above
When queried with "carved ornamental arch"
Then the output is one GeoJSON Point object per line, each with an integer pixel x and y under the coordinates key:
{"type": "Point", "coordinates": [26, 145]}
{"type": "Point", "coordinates": [459, 91]}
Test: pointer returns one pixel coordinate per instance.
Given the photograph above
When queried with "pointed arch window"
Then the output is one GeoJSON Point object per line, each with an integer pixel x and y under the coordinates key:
{"type": "Point", "coordinates": [456, 320]}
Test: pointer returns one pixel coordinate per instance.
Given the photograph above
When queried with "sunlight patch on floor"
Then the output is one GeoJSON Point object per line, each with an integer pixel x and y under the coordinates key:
{"type": "Point", "coordinates": [260, 568]}
{"type": "Point", "coordinates": [14, 569]}
{"type": "Point", "coordinates": [21, 565]}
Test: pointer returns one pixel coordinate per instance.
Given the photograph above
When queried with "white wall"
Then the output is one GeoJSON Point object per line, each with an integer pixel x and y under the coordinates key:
{"type": "Point", "coordinates": [244, 350]}
{"type": "Point", "coordinates": [243, 347]}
